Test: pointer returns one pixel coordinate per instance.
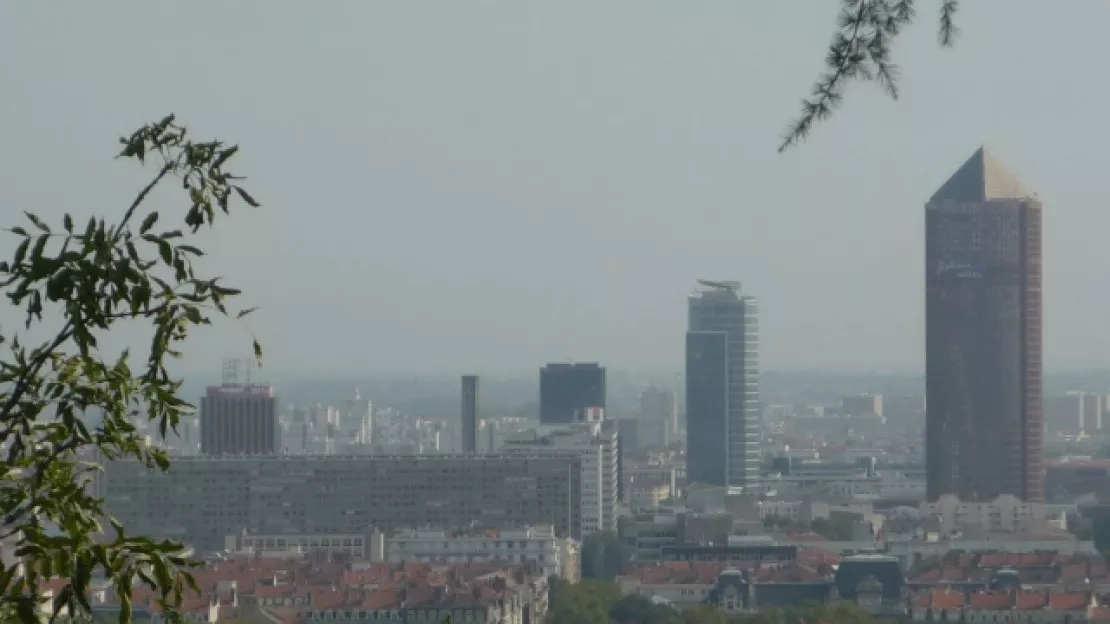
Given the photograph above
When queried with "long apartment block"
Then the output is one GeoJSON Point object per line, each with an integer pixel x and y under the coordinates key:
{"type": "Point", "coordinates": [201, 500]}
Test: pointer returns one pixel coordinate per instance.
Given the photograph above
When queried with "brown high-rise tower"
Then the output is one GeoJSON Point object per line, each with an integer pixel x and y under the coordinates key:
{"type": "Point", "coordinates": [984, 425]}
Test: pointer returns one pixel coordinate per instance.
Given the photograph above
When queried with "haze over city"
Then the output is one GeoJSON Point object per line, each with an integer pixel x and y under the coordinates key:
{"type": "Point", "coordinates": [490, 186]}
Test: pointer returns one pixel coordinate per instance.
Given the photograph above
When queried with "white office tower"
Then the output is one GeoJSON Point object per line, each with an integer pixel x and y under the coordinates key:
{"type": "Point", "coordinates": [598, 447]}
{"type": "Point", "coordinates": [353, 435]}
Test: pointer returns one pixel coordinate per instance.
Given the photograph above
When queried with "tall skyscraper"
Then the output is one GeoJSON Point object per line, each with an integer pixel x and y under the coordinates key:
{"type": "Point", "coordinates": [469, 419]}
{"type": "Point", "coordinates": [984, 409]}
{"type": "Point", "coordinates": [354, 431]}
{"type": "Point", "coordinates": [722, 386]}
{"type": "Point", "coordinates": [568, 390]}
{"type": "Point", "coordinates": [239, 419]}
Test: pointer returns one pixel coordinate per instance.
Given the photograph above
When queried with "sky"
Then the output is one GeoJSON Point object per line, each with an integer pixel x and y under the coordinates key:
{"type": "Point", "coordinates": [485, 186]}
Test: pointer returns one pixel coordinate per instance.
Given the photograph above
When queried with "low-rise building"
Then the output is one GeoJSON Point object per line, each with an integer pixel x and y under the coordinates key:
{"type": "Point", "coordinates": [1034, 607]}
{"type": "Point", "coordinates": [298, 545]}
{"type": "Point", "coordinates": [647, 495]}
{"type": "Point", "coordinates": [1005, 514]}
{"type": "Point", "coordinates": [535, 546]}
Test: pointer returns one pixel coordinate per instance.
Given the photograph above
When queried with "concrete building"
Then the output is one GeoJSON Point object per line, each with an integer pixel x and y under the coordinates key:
{"type": "Point", "coordinates": [647, 495]}
{"type": "Point", "coordinates": [862, 405]}
{"type": "Point", "coordinates": [538, 546]}
{"type": "Point", "coordinates": [722, 386]}
{"type": "Point", "coordinates": [356, 545]}
{"type": "Point", "coordinates": [469, 414]}
{"type": "Point", "coordinates": [354, 430]}
{"type": "Point", "coordinates": [202, 500]}
{"type": "Point", "coordinates": [1093, 407]}
{"type": "Point", "coordinates": [1005, 514]}
{"type": "Point", "coordinates": [1073, 413]}
{"type": "Point", "coordinates": [567, 390]}
{"type": "Point", "coordinates": [904, 409]}
{"type": "Point", "coordinates": [238, 419]}
{"type": "Point", "coordinates": [658, 418]}
{"type": "Point", "coordinates": [598, 447]}
{"type": "Point", "coordinates": [983, 318]}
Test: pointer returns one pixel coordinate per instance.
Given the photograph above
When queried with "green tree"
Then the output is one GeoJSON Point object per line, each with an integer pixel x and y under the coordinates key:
{"type": "Point", "coordinates": [834, 528]}
{"type": "Point", "coordinates": [74, 285]}
{"type": "Point", "coordinates": [702, 614]}
{"type": "Point", "coordinates": [603, 556]}
{"type": "Point", "coordinates": [586, 602]}
{"type": "Point", "coordinates": [635, 609]}
{"type": "Point", "coordinates": [860, 50]}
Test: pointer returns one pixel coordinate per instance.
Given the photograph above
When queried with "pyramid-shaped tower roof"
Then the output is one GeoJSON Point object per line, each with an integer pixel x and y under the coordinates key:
{"type": "Point", "coordinates": [981, 178]}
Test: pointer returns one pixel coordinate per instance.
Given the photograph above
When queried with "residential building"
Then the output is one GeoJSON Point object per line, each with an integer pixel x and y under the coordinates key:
{"type": "Point", "coordinates": [239, 419]}
{"type": "Point", "coordinates": [283, 546]}
{"type": "Point", "coordinates": [739, 550]}
{"type": "Point", "coordinates": [202, 500]}
{"type": "Point", "coordinates": [1004, 514]}
{"type": "Point", "coordinates": [568, 390]}
{"type": "Point", "coordinates": [683, 585]}
{"type": "Point", "coordinates": [530, 546]}
{"type": "Point", "coordinates": [983, 319]}
{"type": "Point", "coordinates": [597, 445]}
{"type": "Point", "coordinates": [469, 416]}
{"type": "Point", "coordinates": [722, 386]}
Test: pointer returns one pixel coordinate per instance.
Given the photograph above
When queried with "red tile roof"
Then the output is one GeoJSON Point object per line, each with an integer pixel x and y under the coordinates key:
{"type": "Point", "coordinates": [944, 599]}
{"type": "Point", "coordinates": [1027, 600]}
{"type": "Point", "coordinates": [992, 601]}
{"type": "Point", "coordinates": [1069, 601]}
{"type": "Point", "coordinates": [326, 599]}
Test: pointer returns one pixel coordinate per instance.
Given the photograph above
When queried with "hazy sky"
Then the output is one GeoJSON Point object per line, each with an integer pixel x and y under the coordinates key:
{"type": "Point", "coordinates": [485, 186]}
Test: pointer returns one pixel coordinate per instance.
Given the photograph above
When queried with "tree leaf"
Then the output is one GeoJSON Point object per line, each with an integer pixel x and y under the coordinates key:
{"type": "Point", "coordinates": [246, 197]}
{"type": "Point", "coordinates": [37, 221]}
{"type": "Point", "coordinates": [148, 222]}
{"type": "Point", "coordinates": [257, 352]}
{"type": "Point", "coordinates": [243, 313]}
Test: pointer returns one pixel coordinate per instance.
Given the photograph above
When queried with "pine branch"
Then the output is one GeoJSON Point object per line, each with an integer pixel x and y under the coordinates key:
{"type": "Point", "coordinates": [861, 50]}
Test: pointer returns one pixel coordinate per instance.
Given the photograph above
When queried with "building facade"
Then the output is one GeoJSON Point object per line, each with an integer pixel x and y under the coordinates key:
{"type": "Point", "coordinates": [202, 500]}
{"type": "Point", "coordinates": [539, 546]}
{"type": "Point", "coordinates": [983, 317]}
{"type": "Point", "coordinates": [722, 386]}
{"type": "Point", "coordinates": [354, 433]}
{"type": "Point", "coordinates": [568, 390]}
{"type": "Point", "coordinates": [597, 446]}
{"type": "Point", "coordinates": [659, 417]}
{"type": "Point", "coordinates": [469, 415]}
{"type": "Point", "coordinates": [239, 419]}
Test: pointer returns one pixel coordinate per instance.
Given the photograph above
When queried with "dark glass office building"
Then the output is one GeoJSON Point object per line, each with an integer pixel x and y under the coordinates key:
{"type": "Point", "coordinates": [984, 408]}
{"type": "Point", "coordinates": [469, 414]}
{"type": "Point", "coordinates": [722, 386]}
{"type": "Point", "coordinates": [567, 390]}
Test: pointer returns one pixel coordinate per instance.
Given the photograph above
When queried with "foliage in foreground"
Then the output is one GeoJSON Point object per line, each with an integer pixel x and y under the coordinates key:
{"type": "Point", "coordinates": [603, 556]}
{"type": "Point", "coordinates": [74, 283]}
{"type": "Point", "coordinates": [860, 50]}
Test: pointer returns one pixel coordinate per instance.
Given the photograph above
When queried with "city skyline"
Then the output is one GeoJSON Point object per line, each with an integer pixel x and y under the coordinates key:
{"type": "Point", "coordinates": [560, 148]}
